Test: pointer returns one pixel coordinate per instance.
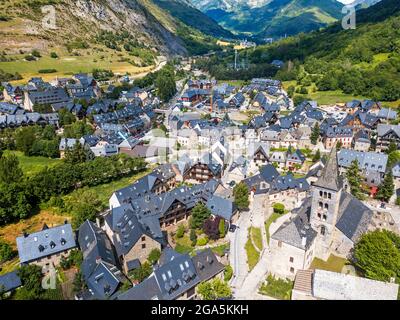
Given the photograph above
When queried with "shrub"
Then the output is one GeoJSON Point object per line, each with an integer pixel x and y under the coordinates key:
{"type": "Point", "coordinates": [154, 256]}
{"type": "Point", "coordinates": [54, 55]}
{"type": "Point", "coordinates": [279, 208]}
{"type": "Point", "coordinates": [228, 273]}
{"type": "Point", "coordinates": [6, 252]}
{"type": "Point", "coordinates": [202, 241]}
{"type": "Point", "coordinates": [47, 71]}
{"type": "Point", "coordinates": [181, 231]}
{"type": "Point", "coordinates": [193, 237]}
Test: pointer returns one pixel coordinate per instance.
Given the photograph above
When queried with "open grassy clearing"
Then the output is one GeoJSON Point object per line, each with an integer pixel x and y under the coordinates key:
{"type": "Point", "coordinates": [333, 263]}
{"type": "Point", "coordinates": [32, 165]}
{"type": "Point", "coordinates": [67, 65]}
{"type": "Point", "coordinates": [277, 288]}
{"type": "Point", "coordinates": [35, 223]}
{"type": "Point", "coordinates": [105, 191]}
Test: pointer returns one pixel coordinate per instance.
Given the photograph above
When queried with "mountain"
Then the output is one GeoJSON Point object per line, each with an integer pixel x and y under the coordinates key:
{"type": "Point", "coordinates": [194, 18]}
{"type": "Point", "coordinates": [141, 27]}
{"type": "Point", "coordinates": [364, 61]}
{"type": "Point", "coordinates": [271, 18]}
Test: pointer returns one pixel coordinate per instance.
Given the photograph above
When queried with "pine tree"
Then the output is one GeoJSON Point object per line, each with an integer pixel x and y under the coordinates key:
{"type": "Point", "coordinates": [315, 134]}
{"type": "Point", "coordinates": [241, 194]}
{"type": "Point", "coordinates": [354, 179]}
{"type": "Point", "coordinates": [200, 213]}
{"type": "Point", "coordinates": [386, 189]}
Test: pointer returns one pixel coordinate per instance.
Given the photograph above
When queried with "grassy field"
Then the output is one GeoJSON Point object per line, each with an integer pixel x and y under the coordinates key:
{"type": "Point", "coordinates": [257, 238]}
{"type": "Point", "coordinates": [32, 165]}
{"type": "Point", "coordinates": [68, 65]}
{"type": "Point", "coordinates": [35, 223]}
{"type": "Point", "coordinates": [105, 191]}
{"type": "Point", "coordinates": [333, 263]}
{"type": "Point", "coordinates": [277, 288]}
{"type": "Point", "coordinates": [273, 217]}
{"type": "Point", "coordinates": [252, 254]}
{"type": "Point", "coordinates": [325, 97]}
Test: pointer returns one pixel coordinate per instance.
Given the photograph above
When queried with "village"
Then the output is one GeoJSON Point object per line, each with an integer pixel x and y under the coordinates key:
{"type": "Point", "coordinates": [246, 191]}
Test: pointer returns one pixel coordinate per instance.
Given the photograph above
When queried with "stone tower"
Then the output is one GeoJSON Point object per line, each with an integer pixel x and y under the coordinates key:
{"type": "Point", "coordinates": [326, 193]}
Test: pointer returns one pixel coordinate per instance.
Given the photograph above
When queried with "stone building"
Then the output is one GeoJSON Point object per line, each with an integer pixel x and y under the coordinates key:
{"type": "Point", "coordinates": [46, 247]}
{"type": "Point", "coordinates": [338, 217]}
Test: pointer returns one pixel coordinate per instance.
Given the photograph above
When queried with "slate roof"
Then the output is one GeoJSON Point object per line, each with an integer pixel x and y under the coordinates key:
{"type": "Point", "coordinates": [104, 282]}
{"type": "Point", "coordinates": [387, 114]}
{"type": "Point", "coordinates": [49, 96]}
{"type": "Point", "coordinates": [384, 129]}
{"type": "Point", "coordinates": [362, 136]}
{"type": "Point", "coordinates": [296, 233]}
{"type": "Point", "coordinates": [168, 281]}
{"type": "Point", "coordinates": [330, 178]}
{"type": "Point", "coordinates": [8, 108]}
{"type": "Point", "coordinates": [354, 217]}
{"type": "Point", "coordinates": [221, 207]}
{"type": "Point", "coordinates": [95, 247]}
{"type": "Point", "coordinates": [339, 132]}
{"type": "Point", "coordinates": [207, 265]}
{"type": "Point", "coordinates": [45, 243]}
{"type": "Point", "coordinates": [9, 281]}
{"type": "Point", "coordinates": [127, 232]}
{"type": "Point", "coordinates": [296, 156]}
{"type": "Point", "coordinates": [396, 170]}
{"type": "Point", "coordinates": [287, 182]}
{"type": "Point", "coordinates": [269, 173]}
{"type": "Point", "coordinates": [368, 161]}
{"type": "Point", "coordinates": [144, 185]}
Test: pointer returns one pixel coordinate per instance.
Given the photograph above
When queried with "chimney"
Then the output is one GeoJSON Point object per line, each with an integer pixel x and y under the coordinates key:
{"type": "Point", "coordinates": [98, 222]}
{"type": "Point", "coordinates": [303, 241]}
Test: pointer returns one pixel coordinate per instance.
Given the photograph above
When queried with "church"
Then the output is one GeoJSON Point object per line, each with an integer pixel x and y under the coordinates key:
{"type": "Point", "coordinates": [330, 221]}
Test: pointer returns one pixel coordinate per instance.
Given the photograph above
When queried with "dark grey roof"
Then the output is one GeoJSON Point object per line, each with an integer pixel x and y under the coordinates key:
{"type": "Point", "coordinates": [269, 173]}
{"type": "Point", "coordinates": [128, 231]}
{"type": "Point", "coordinates": [368, 161]}
{"type": "Point", "coordinates": [95, 246]}
{"type": "Point", "coordinates": [103, 283]}
{"type": "Point", "coordinates": [330, 178]}
{"type": "Point", "coordinates": [221, 207]}
{"type": "Point", "coordinates": [9, 281]}
{"type": "Point", "coordinates": [45, 243]}
{"type": "Point", "coordinates": [296, 233]}
{"type": "Point", "coordinates": [354, 217]}
{"type": "Point", "coordinates": [207, 265]}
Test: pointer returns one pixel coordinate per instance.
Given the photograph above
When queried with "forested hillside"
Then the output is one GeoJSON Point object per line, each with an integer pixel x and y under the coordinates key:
{"type": "Point", "coordinates": [364, 61]}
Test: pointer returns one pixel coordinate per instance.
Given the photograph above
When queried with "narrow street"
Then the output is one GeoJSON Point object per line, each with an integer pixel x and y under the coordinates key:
{"type": "Point", "coordinates": [245, 284]}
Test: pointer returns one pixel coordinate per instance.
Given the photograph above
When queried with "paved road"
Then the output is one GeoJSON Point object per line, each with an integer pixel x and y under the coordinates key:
{"type": "Point", "coordinates": [245, 284]}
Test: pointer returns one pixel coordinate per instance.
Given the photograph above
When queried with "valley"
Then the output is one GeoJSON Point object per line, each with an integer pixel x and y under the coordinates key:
{"type": "Point", "coordinates": [199, 150]}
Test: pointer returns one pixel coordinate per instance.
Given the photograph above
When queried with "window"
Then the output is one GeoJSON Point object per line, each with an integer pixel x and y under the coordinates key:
{"type": "Point", "coordinates": [326, 206]}
{"type": "Point", "coordinates": [143, 238]}
{"type": "Point", "coordinates": [143, 246]}
{"type": "Point", "coordinates": [319, 215]}
{"type": "Point", "coordinates": [329, 195]}
{"type": "Point", "coordinates": [323, 230]}
{"type": "Point", "coordinates": [291, 259]}
{"type": "Point", "coordinates": [324, 217]}
{"type": "Point", "coordinates": [321, 205]}
{"type": "Point", "coordinates": [292, 270]}
{"type": "Point", "coordinates": [280, 244]}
